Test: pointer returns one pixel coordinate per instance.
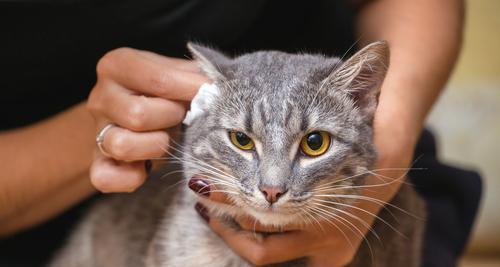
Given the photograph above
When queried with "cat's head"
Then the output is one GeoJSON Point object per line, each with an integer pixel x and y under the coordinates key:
{"type": "Point", "coordinates": [286, 134]}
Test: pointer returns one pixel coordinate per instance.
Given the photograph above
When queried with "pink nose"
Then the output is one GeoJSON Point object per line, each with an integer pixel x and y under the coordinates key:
{"type": "Point", "coordinates": [272, 193]}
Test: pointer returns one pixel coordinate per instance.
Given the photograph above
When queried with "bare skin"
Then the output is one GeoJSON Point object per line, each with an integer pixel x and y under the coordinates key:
{"type": "Point", "coordinates": [161, 85]}
{"type": "Point", "coordinates": [36, 185]}
{"type": "Point", "coordinates": [45, 169]}
{"type": "Point", "coordinates": [425, 39]}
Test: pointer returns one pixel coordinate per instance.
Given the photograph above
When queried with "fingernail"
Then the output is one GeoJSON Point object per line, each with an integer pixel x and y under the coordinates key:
{"type": "Point", "coordinates": [199, 186]}
{"type": "Point", "coordinates": [202, 211]}
{"type": "Point", "coordinates": [148, 165]}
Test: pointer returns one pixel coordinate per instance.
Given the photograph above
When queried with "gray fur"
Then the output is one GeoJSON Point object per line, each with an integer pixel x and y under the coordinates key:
{"type": "Point", "coordinates": [276, 99]}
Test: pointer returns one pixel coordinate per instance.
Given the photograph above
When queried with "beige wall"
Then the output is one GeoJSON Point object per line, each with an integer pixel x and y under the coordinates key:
{"type": "Point", "coordinates": [480, 59]}
{"type": "Point", "coordinates": [467, 117]}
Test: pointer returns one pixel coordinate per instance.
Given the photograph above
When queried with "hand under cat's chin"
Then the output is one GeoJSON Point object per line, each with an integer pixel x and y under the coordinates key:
{"type": "Point", "coordinates": [268, 217]}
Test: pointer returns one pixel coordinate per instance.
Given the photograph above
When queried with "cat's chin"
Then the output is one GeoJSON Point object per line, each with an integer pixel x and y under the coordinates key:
{"type": "Point", "coordinates": [265, 217]}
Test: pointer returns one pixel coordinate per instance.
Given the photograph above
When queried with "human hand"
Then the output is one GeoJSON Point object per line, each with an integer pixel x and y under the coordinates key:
{"type": "Point", "coordinates": [324, 242]}
{"type": "Point", "coordinates": [143, 94]}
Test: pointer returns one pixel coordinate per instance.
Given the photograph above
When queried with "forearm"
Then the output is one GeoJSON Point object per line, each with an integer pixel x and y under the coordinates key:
{"type": "Point", "coordinates": [42, 166]}
{"type": "Point", "coordinates": [424, 38]}
{"type": "Point", "coordinates": [50, 204]}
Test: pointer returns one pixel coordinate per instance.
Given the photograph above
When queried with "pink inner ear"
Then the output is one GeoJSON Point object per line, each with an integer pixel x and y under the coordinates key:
{"type": "Point", "coordinates": [362, 75]}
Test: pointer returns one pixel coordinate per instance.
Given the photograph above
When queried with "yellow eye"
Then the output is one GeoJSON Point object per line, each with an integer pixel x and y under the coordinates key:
{"type": "Point", "coordinates": [241, 140]}
{"type": "Point", "coordinates": [315, 144]}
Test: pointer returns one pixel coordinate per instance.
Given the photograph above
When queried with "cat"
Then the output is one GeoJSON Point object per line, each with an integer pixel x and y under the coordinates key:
{"type": "Point", "coordinates": [279, 128]}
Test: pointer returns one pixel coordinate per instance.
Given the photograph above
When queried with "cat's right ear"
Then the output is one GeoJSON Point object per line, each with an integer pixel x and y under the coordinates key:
{"type": "Point", "coordinates": [212, 62]}
{"type": "Point", "coordinates": [362, 75]}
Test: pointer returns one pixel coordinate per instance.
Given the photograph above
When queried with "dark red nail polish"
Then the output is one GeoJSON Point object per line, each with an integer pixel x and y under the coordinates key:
{"type": "Point", "coordinates": [148, 165]}
{"type": "Point", "coordinates": [199, 186]}
{"type": "Point", "coordinates": [202, 211]}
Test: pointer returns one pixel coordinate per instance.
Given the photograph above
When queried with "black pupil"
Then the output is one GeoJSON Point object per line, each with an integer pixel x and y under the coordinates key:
{"type": "Point", "coordinates": [314, 141]}
{"type": "Point", "coordinates": [242, 139]}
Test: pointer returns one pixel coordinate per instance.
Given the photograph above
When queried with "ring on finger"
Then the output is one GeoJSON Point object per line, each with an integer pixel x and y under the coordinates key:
{"type": "Point", "coordinates": [100, 138]}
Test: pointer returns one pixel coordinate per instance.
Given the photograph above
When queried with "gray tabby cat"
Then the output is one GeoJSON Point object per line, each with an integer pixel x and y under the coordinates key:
{"type": "Point", "coordinates": [285, 131]}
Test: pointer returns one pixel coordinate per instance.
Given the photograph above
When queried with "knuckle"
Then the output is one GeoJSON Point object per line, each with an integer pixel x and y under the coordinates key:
{"type": "Point", "coordinates": [120, 146]}
{"type": "Point", "coordinates": [106, 62]}
{"type": "Point", "coordinates": [94, 103]}
{"type": "Point", "coordinates": [259, 256]}
{"type": "Point", "coordinates": [137, 116]}
{"type": "Point", "coordinates": [162, 144]}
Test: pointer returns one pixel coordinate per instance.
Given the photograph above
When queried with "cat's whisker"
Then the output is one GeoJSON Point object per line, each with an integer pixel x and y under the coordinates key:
{"type": "Point", "coordinates": [330, 215]}
{"type": "Point", "coordinates": [203, 168]}
{"type": "Point", "coordinates": [225, 182]}
{"type": "Point", "coordinates": [213, 182]}
{"type": "Point", "coordinates": [392, 180]}
{"type": "Point", "coordinates": [365, 224]}
{"type": "Point", "coordinates": [216, 181]}
{"type": "Point", "coordinates": [180, 182]}
{"type": "Point", "coordinates": [317, 221]}
{"type": "Point", "coordinates": [304, 219]}
{"type": "Point", "coordinates": [224, 191]}
{"type": "Point", "coordinates": [362, 210]}
{"type": "Point", "coordinates": [201, 162]}
{"type": "Point", "coordinates": [341, 180]}
{"type": "Point", "coordinates": [192, 158]}
{"type": "Point", "coordinates": [370, 199]}
{"type": "Point", "coordinates": [213, 175]}
{"type": "Point", "coordinates": [381, 203]}
{"type": "Point", "coordinates": [303, 214]}
{"type": "Point", "coordinates": [169, 173]}
{"type": "Point", "coordinates": [330, 188]}
{"type": "Point", "coordinates": [370, 172]}
{"type": "Point", "coordinates": [340, 219]}
{"type": "Point", "coordinates": [333, 224]}
{"type": "Point", "coordinates": [209, 170]}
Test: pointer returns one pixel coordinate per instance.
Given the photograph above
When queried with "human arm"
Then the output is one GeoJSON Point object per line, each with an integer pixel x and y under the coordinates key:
{"type": "Point", "coordinates": [424, 37]}
{"type": "Point", "coordinates": [45, 166]}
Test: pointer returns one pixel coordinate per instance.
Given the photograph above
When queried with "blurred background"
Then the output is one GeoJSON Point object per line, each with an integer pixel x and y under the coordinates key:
{"type": "Point", "coordinates": [466, 121]}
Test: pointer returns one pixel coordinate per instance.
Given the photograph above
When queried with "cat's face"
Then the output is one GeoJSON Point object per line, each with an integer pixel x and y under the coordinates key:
{"type": "Point", "coordinates": [287, 135]}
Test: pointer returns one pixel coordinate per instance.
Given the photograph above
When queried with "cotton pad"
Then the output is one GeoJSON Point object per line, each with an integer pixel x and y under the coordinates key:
{"type": "Point", "coordinates": [201, 101]}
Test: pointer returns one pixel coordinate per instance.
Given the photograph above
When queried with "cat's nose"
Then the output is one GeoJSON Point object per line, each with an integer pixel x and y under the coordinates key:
{"type": "Point", "coordinates": [272, 193]}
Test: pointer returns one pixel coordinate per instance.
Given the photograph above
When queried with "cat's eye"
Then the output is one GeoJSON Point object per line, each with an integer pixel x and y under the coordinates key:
{"type": "Point", "coordinates": [315, 143]}
{"type": "Point", "coordinates": [241, 140]}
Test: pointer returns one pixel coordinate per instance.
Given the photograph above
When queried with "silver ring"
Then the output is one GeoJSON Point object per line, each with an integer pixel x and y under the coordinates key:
{"type": "Point", "coordinates": [99, 139]}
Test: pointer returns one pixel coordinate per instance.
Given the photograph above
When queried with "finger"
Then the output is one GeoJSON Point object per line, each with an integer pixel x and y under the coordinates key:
{"type": "Point", "coordinates": [332, 258]}
{"type": "Point", "coordinates": [136, 112]}
{"type": "Point", "coordinates": [108, 175]}
{"type": "Point", "coordinates": [274, 248]}
{"type": "Point", "coordinates": [123, 144]}
{"type": "Point", "coordinates": [208, 189]}
{"type": "Point", "coordinates": [138, 72]}
{"type": "Point", "coordinates": [251, 224]}
{"type": "Point", "coordinates": [178, 63]}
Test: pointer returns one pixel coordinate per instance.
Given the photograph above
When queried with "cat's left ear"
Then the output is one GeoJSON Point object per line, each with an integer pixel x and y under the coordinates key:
{"type": "Point", "coordinates": [212, 62]}
{"type": "Point", "coordinates": [362, 75]}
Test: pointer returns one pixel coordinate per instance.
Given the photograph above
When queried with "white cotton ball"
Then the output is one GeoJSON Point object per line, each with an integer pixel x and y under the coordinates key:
{"type": "Point", "coordinates": [201, 102]}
